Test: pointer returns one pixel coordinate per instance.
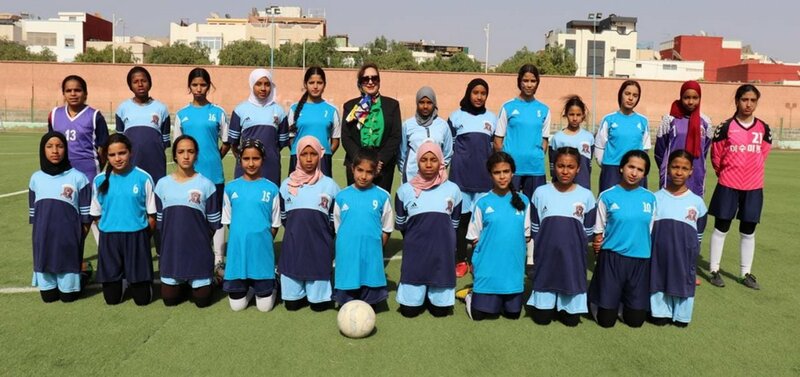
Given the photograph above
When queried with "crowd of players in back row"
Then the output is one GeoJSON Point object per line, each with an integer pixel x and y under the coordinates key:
{"type": "Point", "coordinates": [474, 199]}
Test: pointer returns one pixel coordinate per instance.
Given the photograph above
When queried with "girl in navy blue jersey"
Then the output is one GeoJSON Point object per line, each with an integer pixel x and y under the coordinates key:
{"type": "Point", "coordinates": [307, 251]}
{"type": "Point", "coordinates": [124, 206]}
{"type": "Point", "coordinates": [472, 126]}
{"type": "Point", "coordinates": [187, 205]}
{"type": "Point", "coordinates": [428, 209]}
{"type": "Point", "coordinates": [679, 223]}
{"type": "Point", "coordinates": [251, 208]}
{"type": "Point", "coordinates": [58, 201]}
{"type": "Point", "coordinates": [621, 276]}
{"type": "Point", "coordinates": [563, 217]}
{"type": "Point", "coordinates": [575, 137]}
{"type": "Point", "coordinates": [499, 230]}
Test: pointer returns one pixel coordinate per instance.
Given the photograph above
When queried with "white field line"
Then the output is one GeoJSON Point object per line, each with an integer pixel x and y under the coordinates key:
{"type": "Point", "coordinates": [13, 194]}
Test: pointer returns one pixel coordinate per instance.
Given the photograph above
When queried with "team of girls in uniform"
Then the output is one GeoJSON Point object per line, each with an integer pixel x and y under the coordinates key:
{"type": "Point", "coordinates": [621, 131]}
{"type": "Point", "coordinates": [426, 125]}
{"type": "Point", "coordinates": [646, 244]}
{"type": "Point", "coordinates": [251, 209]}
{"type": "Point", "coordinates": [499, 231]}
{"type": "Point", "coordinates": [738, 154]}
{"type": "Point", "coordinates": [575, 137]}
{"type": "Point", "coordinates": [680, 219]}
{"type": "Point", "coordinates": [563, 218]}
{"type": "Point", "coordinates": [473, 127]}
{"type": "Point", "coordinates": [124, 207]}
{"type": "Point", "coordinates": [314, 116]}
{"type": "Point", "coordinates": [260, 118]}
{"type": "Point", "coordinates": [306, 201]}
{"type": "Point", "coordinates": [372, 121]}
{"type": "Point", "coordinates": [187, 204]}
{"type": "Point", "coordinates": [685, 128]}
{"type": "Point", "coordinates": [146, 123]}
{"type": "Point", "coordinates": [621, 276]}
{"type": "Point", "coordinates": [363, 220]}
{"type": "Point", "coordinates": [208, 125]}
{"type": "Point", "coordinates": [59, 197]}
{"type": "Point", "coordinates": [428, 209]}
{"type": "Point", "coordinates": [523, 129]}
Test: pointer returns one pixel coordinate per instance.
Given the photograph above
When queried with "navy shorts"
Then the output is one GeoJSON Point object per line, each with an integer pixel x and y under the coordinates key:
{"type": "Point", "coordinates": [370, 295]}
{"type": "Point", "coordinates": [610, 176]}
{"type": "Point", "coordinates": [745, 205]}
{"type": "Point", "coordinates": [527, 184]}
{"type": "Point", "coordinates": [324, 164]}
{"type": "Point", "coordinates": [496, 303]}
{"type": "Point", "coordinates": [619, 280]}
{"type": "Point", "coordinates": [124, 255]}
{"type": "Point", "coordinates": [261, 287]}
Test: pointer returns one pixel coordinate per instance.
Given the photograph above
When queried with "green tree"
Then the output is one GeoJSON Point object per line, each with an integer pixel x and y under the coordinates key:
{"type": "Point", "coordinates": [14, 51]}
{"type": "Point", "coordinates": [179, 53]}
{"type": "Point", "coordinates": [248, 53]}
{"type": "Point", "coordinates": [387, 55]}
{"type": "Point", "coordinates": [93, 55]}
{"type": "Point", "coordinates": [460, 62]}
{"type": "Point", "coordinates": [550, 61]}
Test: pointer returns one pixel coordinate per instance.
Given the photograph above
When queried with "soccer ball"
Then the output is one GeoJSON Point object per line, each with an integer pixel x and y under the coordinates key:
{"type": "Point", "coordinates": [356, 319]}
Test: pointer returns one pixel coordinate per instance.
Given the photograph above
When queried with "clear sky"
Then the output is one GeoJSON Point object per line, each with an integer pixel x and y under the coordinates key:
{"type": "Point", "coordinates": [771, 27]}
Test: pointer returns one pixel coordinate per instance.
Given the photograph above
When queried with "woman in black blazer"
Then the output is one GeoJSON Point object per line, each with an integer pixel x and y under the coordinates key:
{"type": "Point", "coordinates": [372, 121]}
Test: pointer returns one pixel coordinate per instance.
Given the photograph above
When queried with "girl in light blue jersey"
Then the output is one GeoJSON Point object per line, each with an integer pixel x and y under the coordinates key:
{"type": "Point", "coordinates": [314, 116]}
{"type": "Point", "coordinates": [426, 125]}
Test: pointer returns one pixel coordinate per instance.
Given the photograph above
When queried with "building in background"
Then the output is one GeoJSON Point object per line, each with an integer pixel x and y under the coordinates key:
{"type": "Point", "coordinates": [423, 51]}
{"type": "Point", "coordinates": [65, 35]}
{"type": "Point", "coordinates": [10, 28]}
{"type": "Point", "coordinates": [282, 25]}
{"type": "Point", "coordinates": [139, 46]}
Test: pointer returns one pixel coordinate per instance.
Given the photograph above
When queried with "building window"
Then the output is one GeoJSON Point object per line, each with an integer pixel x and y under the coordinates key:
{"type": "Point", "coordinates": [638, 65]}
{"type": "Point", "coordinates": [569, 45]}
{"type": "Point", "coordinates": [213, 43]}
{"type": "Point", "coordinates": [623, 54]}
{"type": "Point", "coordinates": [595, 58]}
{"type": "Point", "coordinates": [670, 67]}
{"type": "Point", "coordinates": [73, 18]}
{"type": "Point", "coordinates": [621, 30]}
{"type": "Point", "coordinates": [69, 42]}
{"type": "Point", "coordinates": [41, 39]}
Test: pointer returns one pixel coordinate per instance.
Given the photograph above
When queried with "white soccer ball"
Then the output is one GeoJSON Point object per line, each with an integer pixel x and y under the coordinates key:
{"type": "Point", "coordinates": [356, 319]}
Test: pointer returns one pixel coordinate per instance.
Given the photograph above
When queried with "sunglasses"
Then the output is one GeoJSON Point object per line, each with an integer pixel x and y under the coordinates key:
{"type": "Point", "coordinates": [366, 79]}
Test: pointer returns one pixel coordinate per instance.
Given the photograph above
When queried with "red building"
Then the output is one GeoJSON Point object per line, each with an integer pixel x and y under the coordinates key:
{"type": "Point", "coordinates": [96, 28]}
{"type": "Point", "coordinates": [708, 49]}
{"type": "Point", "coordinates": [753, 71]}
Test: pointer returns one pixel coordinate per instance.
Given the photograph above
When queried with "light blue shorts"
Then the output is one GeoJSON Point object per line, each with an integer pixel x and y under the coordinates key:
{"type": "Point", "coordinates": [316, 290]}
{"type": "Point", "coordinates": [677, 308]}
{"type": "Point", "coordinates": [572, 304]}
{"type": "Point", "coordinates": [67, 283]}
{"type": "Point", "coordinates": [195, 283]}
{"type": "Point", "coordinates": [414, 295]}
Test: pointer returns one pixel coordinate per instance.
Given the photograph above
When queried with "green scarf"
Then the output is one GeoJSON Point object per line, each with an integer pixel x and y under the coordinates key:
{"type": "Point", "coordinates": [372, 129]}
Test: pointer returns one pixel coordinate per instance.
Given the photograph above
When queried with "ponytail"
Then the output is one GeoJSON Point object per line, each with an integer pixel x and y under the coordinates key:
{"type": "Point", "coordinates": [516, 200]}
{"type": "Point", "coordinates": [299, 108]}
{"type": "Point", "coordinates": [103, 189]}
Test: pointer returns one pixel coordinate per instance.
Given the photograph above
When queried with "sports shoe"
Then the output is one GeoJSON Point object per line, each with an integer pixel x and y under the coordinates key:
{"type": "Point", "coordinates": [461, 294]}
{"type": "Point", "coordinates": [468, 305]}
{"type": "Point", "coordinates": [461, 269]}
{"type": "Point", "coordinates": [749, 281]}
{"type": "Point", "coordinates": [716, 279]}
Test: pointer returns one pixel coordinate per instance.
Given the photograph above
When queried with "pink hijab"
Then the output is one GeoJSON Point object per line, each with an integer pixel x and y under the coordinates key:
{"type": "Point", "coordinates": [420, 183]}
{"type": "Point", "coordinates": [298, 178]}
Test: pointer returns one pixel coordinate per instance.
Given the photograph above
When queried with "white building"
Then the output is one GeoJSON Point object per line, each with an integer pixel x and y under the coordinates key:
{"type": "Point", "coordinates": [138, 46]}
{"type": "Point", "coordinates": [10, 28]}
{"type": "Point", "coordinates": [676, 70]}
{"type": "Point", "coordinates": [287, 25]}
{"type": "Point", "coordinates": [605, 48]}
{"type": "Point", "coordinates": [65, 35]}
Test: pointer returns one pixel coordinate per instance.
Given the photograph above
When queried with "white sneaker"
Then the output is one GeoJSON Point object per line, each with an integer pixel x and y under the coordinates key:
{"type": "Point", "coordinates": [468, 301]}
{"type": "Point", "coordinates": [265, 304]}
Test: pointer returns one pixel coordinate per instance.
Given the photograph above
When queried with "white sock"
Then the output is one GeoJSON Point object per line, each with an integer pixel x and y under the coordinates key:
{"type": "Point", "coordinates": [95, 233]}
{"type": "Point", "coordinates": [219, 245]}
{"type": "Point", "coordinates": [747, 247]}
{"type": "Point", "coordinates": [265, 304]}
{"type": "Point", "coordinates": [468, 301]}
{"type": "Point", "coordinates": [240, 304]}
{"type": "Point", "coordinates": [715, 253]}
{"type": "Point", "coordinates": [530, 252]}
{"type": "Point", "coordinates": [125, 285]}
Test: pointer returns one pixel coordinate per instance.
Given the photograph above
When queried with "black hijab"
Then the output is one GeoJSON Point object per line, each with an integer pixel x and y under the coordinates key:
{"type": "Point", "coordinates": [47, 166]}
{"type": "Point", "coordinates": [466, 104]}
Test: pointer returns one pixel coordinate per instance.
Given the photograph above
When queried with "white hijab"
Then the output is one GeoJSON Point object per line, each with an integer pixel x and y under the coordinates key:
{"type": "Point", "coordinates": [256, 75]}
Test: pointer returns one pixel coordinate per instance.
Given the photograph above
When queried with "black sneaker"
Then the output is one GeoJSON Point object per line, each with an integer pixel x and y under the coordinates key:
{"type": "Point", "coordinates": [716, 279]}
{"type": "Point", "coordinates": [749, 281]}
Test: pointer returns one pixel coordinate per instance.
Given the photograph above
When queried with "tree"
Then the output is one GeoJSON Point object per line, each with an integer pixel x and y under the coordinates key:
{"type": "Point", "coordinates": [93, 55]}
{"type": "Point", "coordinates": [248, 53]}
{"type": "Point", "coordinates": [179, 53]}
{"type": "Point", "coordinates": [550, 61]}
{"type": "Point", "coordinates": [387, 55]}
{"type": "Point", "coordinates": [460, 62]}
{"type": "Point", "coordinates": [14, 51]}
